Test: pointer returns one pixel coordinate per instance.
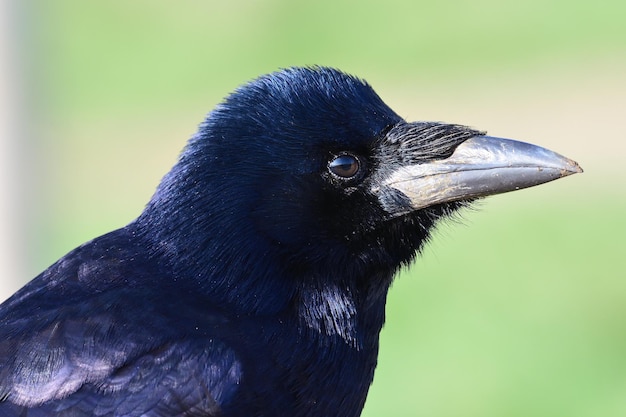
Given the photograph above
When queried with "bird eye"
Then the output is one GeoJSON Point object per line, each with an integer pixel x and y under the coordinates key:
{"type": "Point", "coordinates": [344, 166]}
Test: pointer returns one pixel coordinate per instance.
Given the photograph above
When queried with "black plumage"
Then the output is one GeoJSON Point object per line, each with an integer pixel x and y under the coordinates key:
{"type": "Point", "coordinates": [254, 282]}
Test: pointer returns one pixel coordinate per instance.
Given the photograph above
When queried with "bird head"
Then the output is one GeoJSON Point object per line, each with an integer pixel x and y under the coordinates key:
{"type": "Point", "coordinates": [310, 169]}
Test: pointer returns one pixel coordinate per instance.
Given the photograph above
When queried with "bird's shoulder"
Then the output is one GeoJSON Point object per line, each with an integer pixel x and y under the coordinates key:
{"type": "Point", "coordinates": [89, 327]}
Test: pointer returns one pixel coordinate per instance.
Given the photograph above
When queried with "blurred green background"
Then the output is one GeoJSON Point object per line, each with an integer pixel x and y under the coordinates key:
{"type": "Point", "coordinates": [517, 310]}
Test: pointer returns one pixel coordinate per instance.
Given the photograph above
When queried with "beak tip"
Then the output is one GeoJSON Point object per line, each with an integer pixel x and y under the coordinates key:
{"type": "Point", "coordinates": [572, 168]}
{"type": "Point", "coordinates": [579, 169]}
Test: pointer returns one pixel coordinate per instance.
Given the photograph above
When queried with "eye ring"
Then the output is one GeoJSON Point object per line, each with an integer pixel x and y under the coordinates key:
{"type": "Point", "coordinates": [344, 166]}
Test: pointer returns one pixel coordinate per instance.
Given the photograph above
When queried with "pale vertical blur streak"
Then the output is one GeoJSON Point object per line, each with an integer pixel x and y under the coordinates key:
{"type": "Point", "coordinates": [11, 100]}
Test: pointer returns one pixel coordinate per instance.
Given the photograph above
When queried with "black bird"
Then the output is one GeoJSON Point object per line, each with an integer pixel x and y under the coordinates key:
{"type": "Point", "coordinates": [254, 282]}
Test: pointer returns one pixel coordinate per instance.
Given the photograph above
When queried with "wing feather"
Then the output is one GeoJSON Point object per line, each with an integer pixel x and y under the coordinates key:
{"type": "Point", "coordinates": [94, 336]}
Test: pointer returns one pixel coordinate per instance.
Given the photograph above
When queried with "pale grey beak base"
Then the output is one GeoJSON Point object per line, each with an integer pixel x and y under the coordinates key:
{"type": "Point", "coordinates": [480, 166]}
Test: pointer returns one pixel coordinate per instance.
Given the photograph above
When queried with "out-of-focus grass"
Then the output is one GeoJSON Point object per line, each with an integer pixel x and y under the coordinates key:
{"type": "Point", "coordinates": [120, 54]}
{"type": "Point", "coordinates": [520, 313]}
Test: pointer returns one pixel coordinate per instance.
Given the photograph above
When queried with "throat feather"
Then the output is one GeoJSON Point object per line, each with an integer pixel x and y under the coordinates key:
{"type": "Point", "coordinates": [330, 311]}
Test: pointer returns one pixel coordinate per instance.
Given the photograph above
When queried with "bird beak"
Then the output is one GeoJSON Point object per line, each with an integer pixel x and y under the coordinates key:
{"type": "Point", "coordinates": [479, 167]}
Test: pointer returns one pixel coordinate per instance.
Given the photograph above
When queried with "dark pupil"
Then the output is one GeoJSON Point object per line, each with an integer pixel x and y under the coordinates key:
{"type": "Point", "coordinates": [345, 166]}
